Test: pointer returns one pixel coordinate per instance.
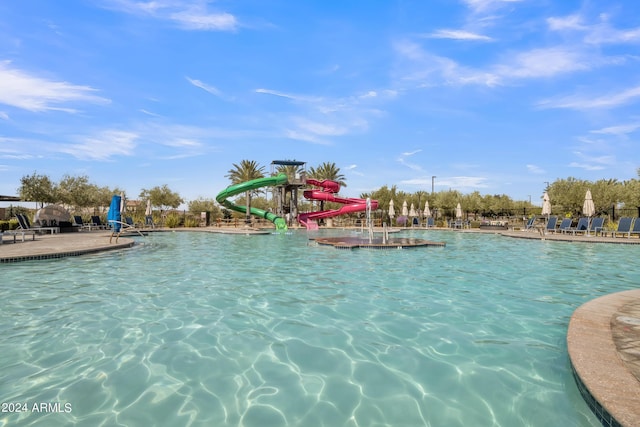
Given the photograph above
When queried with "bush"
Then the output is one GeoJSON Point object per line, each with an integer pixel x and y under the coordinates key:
{"type": "Point", "coordinates": [191, 221]}
{"type": "Point", "coordinates": [172, 221]}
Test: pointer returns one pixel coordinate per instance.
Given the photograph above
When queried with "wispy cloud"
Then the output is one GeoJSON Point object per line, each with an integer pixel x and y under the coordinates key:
{"type": "Point", "coordinates": [402, 159]}
{"type": "Point", "coordinates": [480, 6]}
{"type": "Point", "coordinates": [584, 102]}
{"type": "Point", "coordinates": [600, 32]}
{"type": "Point", "coordinates": [208, 88]}
{"type": "Point", "coordinates": [102, 146]}
{"type": "Point", "coordinates": [620, 130]}
{"type": "Point", "coordinates": [21, 89]}
{"type": "Point", "coordinates": [187, 15]}
{"type": "Point", "coordinates": [458, 35]}
{"type": "Point", "coordinates": [536, 169]}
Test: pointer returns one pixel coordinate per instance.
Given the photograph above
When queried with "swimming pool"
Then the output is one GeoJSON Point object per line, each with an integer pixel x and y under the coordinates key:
{"type": "Point", "coordinates": [200, 329]}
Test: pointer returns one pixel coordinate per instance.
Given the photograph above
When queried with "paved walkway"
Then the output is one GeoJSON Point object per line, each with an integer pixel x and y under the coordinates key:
{"type": "Point", "coordinates": [603, 337]}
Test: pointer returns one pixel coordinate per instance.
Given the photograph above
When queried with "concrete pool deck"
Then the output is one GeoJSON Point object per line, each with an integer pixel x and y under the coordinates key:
{"type": "Point", "coordinates": [603, 337]}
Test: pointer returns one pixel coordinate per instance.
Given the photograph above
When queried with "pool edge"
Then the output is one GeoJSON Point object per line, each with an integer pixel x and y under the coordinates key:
{"type": "Point", "coordinates": [605, 382]}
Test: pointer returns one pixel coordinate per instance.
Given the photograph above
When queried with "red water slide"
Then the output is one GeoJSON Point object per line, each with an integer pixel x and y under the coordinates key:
{"type": "Point", "coordinates": [327, 194]}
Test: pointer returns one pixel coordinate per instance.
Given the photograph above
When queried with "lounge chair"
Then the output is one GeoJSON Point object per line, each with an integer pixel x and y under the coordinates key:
{"type": "Point", "coordinates": [551, 224]}
{"type": "Point", "coordinates": [565, 225]}
{"type": "Point", "coordinates": [148, 221]}
{"type": "Point", "coordinates": [636, 227]}
{"type": "Point", "coordinates": [97, 222]}
{"type": "Point", "coordinates": [80, 223]}
{"type": "Point", "coordinates": [15, 233]}
{"type": "Point", "coordinates": [430, 223]}
{"type": "Point", "coordinates": [530, 225]}
{"type": "Point", "coordinates": [596, 225]}
{"type": "Point", "coordinates": [25, 224]}
{"type": "Point", "coordinates": [624, 227]}
{"type": "Point", "coordinates": [581, 227]}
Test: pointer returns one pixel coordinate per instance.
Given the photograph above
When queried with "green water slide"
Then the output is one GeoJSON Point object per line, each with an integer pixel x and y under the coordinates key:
{"type": "Point", "coordinates": [254, 184]}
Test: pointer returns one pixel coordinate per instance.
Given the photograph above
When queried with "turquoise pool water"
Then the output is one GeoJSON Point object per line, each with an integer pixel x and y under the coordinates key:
{"type": "Point", "coordinates": [198, 329]}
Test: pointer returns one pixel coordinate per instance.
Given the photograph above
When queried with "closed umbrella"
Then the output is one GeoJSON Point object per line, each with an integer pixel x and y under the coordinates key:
{"type": "Point", "coordinates": [114, 216]}
{"type": "Point", "coordinates": [412, 211]}
{"type": "Point", "coordinates": [405, 210]}
{"type": "Point", "coordinates": [546, 204]}
{"type": "Point", "coordinates": [427, 211]}
{"type": "Point", "coordinates": [148, 211]}
{"type": "Point", "coordinates": [458, 211]}
{"type": "Point", "coordinates": [588, 208]}
{"type": "Point", "coordinates": [392, 211]}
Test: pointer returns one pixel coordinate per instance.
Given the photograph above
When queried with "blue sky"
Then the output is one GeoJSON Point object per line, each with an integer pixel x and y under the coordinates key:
{"type": "Point", "coordinates": [498, 96]}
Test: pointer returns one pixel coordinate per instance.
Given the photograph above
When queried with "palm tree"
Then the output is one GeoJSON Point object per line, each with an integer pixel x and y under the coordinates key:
{"type": "Point", "coordinates": [290, 170]}
{"type": "Point", "coordinates": [247, 170]}
{"type": "Point", "coordinates": [328, 171]}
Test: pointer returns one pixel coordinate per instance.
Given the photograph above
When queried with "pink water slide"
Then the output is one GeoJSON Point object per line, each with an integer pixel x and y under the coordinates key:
{"type": "Point", "coordinates": [327, 194]}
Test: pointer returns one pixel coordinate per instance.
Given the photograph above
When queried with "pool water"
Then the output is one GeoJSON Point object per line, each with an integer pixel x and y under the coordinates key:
{"type": "Point", "coordinates": [200, 329]}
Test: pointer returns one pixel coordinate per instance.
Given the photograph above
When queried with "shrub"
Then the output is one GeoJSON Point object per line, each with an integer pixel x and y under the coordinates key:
{"type": "Point", "coordinates": [172, 220]}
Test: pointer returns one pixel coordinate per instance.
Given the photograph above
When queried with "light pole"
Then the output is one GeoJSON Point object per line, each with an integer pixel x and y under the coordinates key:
{"type": "Point", "coordinates": [433, 180]}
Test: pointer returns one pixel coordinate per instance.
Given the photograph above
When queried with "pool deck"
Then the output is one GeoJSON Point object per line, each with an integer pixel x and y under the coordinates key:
{"type": "Point", "coordinates": [603, 337]}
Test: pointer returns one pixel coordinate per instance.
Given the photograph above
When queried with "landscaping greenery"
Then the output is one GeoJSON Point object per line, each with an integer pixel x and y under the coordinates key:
{"type": "Point", "coordinates": [79, 195]}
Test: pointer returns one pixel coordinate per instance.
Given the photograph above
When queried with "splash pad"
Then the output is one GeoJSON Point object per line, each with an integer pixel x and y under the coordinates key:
{"type": "Point", "coordinates": [373, 242]}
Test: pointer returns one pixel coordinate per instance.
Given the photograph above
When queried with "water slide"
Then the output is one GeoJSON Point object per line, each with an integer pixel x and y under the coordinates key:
{"type": "Point", "coordinates": [236, 189]}
{"type": "Point", "coordinates": [327, 194]}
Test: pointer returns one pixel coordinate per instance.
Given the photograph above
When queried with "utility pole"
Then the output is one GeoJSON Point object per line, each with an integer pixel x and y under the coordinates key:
{"type": "Point", "coordinates": [433, 180]}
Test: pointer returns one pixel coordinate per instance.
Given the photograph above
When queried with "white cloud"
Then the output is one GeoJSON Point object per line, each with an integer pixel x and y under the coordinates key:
{"type": "Point", "coordinates": [479, 6]}
{"type": "Point", "coordinates": [619, 130]}
{"type": "Point", "coordinates": [21, 89]}
{"type": "Point", "coordinates": [208, 88]}
{"type": "Point", "coordinates": [4, 116]}
{"type": "Point", "coordinates": [103, 146]}
{"type": "Point", "coordinates": [197, 20]}
{"type": "Point", "coordinates": [458, 35]}
{"type": "Point", "coordinates": [188, 15]}
{"type": "Point", "coordinates": [583, 102]}
{"type": "Point", "coordinates": [536, 169]}
{"type": "Point", "coordinates": [545, 62]}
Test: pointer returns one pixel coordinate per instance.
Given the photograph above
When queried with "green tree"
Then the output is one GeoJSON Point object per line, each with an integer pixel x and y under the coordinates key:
{"type": "Point", "coordinates": [290, 170]}
{"type": "Point", "coordinates": [327, 171]}
{"type": "Point", "coordinates": [38, 188]}
{"type": "Point", "coordinates": [77, 191]}
{"type": "Point", "coordinates": [247, 170]}
{"type": "Point", "coordinates": [204, 205]}
{"type": "Point", "coordinates": [162, 197]}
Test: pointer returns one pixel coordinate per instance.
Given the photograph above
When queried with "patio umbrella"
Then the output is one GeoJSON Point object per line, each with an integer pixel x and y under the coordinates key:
{"type": "Point", "coordinates": [123, 204]}
{"type": "Point", "coordinates": [588, 208]}
{"type": "Point", "coordinates": [114, 216]}
{"type": "Point", "coordinates": [412, 211]}
{"type": "Point", "coordinates": [546, 204]}
{"type": "Point", "coordinates": [392, 211]}
{"type": "Point", "coordinates": [405, 211]}
{"type": "Point", "coordinates": [149, 210]}
{"type": "Point", "coordinates": [427, 211]}
{"type": "Point", "coordinates": [458, 211]}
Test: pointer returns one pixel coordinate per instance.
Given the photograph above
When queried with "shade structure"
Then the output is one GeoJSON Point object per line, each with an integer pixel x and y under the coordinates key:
{"type": "Point", "coordinates": [405, 209]}
{"type": "Point", "coordinates": [546, 204]}
{"type": "Point", "coordinates": [53, 213]}
{"type": "Point", "coordinates": [458, 211]}
{"type": "Point", "coordinates": [588, 208]}
{"type": "Point", "coordinates": [412, 211]}
{"type": "Point", "coordinates": [149, 209]}
{"type": "Point", "coordinates": [427, 211]}
{"type": "Point", "coordinates": [392, 210]}
{"type": "Point", "coordinates": [114, 216]}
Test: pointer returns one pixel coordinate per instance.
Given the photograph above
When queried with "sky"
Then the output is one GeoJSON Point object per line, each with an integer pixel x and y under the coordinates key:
{"type": "Point", "coordinates": [494, 96]}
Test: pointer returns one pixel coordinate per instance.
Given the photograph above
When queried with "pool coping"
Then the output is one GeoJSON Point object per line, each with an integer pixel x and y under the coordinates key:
{"type": "Point", "coordinates": [608, 384]}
